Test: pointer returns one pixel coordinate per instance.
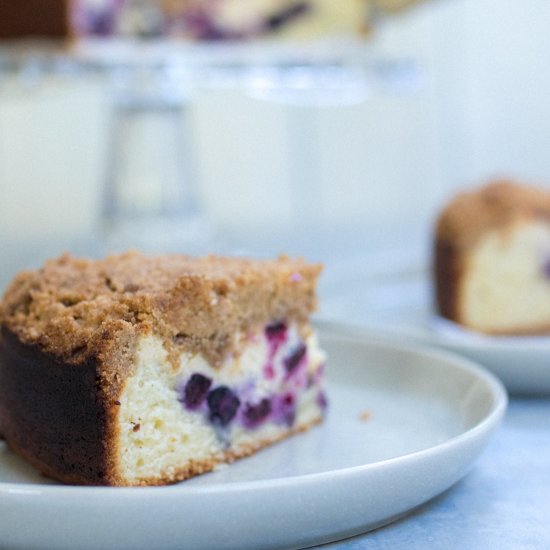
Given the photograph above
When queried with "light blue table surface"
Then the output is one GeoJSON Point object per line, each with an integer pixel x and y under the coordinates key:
{"type": "Point", "coordinates": [503, 503]}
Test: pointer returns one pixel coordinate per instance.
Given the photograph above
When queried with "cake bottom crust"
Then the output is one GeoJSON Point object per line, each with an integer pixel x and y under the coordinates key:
{"type": "Point", "coordinates": [193, 468]}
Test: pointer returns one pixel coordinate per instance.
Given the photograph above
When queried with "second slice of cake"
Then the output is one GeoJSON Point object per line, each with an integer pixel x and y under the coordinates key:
{"type": "Point", "coordinates": [136, 370]}
{"type": "Point", "coordinates": [492, 259]}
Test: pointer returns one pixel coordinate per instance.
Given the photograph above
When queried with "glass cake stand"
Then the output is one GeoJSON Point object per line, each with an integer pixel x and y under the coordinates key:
{"type": "Point", "coordinates": [152, 201]}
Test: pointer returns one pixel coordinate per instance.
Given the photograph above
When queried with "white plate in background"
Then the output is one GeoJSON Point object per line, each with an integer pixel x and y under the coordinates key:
{"type": "Point", "coordinates": [403, 425]}
{"type": "Point", "coordinates": [400, 309]}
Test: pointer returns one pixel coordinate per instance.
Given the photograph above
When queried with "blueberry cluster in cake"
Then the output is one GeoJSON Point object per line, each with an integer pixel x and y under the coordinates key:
{"type": "Point", "coordinates": [272, 397]}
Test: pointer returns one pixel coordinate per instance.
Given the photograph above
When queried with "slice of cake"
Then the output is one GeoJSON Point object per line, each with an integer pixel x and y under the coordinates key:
{"type": "Point", "coordinates": [492, 259]}
{"type": "Point", "coordinates": [138, 370]}
{"type": "Point", "coordinates": [33, 18]}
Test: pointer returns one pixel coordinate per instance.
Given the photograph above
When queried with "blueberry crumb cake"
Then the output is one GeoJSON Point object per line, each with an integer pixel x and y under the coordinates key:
{"type": "Point", "coordinates": [138, 370]}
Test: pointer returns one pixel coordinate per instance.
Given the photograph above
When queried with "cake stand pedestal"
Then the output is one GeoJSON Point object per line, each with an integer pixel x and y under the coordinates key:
{"type": "Point", "coordinates": [151, 192]}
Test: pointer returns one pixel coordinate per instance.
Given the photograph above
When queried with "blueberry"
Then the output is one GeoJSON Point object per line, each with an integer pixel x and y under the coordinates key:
{"type": "Point", "coordinates": [288, 409]}
{"type": "Point", "coordinates": [295, 358]}
{"type": "Point", "coordinates": [196, 390]}
{"type": "Point", "coordinates": [275, 331]}
{"type": "Point", "coordinates": [287, 15]}
{"type": "Point", "coordinates": [255, 414]}
{"type": "Point", "coordinates": [223, 405]}
{"type": "Point", "coordinates": [101, 24]}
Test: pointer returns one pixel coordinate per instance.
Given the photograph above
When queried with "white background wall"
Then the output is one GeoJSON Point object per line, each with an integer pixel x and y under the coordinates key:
{"type": "Point", "coordinates": [385, 164]}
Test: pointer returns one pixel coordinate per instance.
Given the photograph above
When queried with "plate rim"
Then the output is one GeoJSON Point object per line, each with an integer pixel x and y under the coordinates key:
{"type": "Point", "coordinates": [357, 334]}
{"type": "Point", "coordinates": [451, 333]}
{"type": "Point", "coordinates": [452, 336]}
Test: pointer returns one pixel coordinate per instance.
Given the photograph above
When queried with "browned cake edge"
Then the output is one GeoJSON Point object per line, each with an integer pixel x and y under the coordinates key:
{"type": "Point", "coordinates": [447, 273]}
{"type": "Point", "coordinates": [34, 19]}
{"type": "Point", "coordinates": [40, 393]}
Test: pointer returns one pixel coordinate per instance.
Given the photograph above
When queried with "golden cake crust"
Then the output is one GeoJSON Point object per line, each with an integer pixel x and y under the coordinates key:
{"type": "Point", "coordinates": [473, 212]}
{"type": "Point", "coordinates": [74, 308]}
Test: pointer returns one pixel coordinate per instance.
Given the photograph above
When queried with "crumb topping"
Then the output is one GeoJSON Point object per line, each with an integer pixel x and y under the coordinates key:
{"type": "Point", "coordinates": [74, 308]}
{"type": "Point", "coordinates": [499, 203]}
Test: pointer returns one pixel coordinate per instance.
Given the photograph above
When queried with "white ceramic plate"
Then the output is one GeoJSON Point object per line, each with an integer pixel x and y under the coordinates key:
{"type": "Point", "coordinates": [403, 425]}
{"type": "Point", "coordinates": [400, 309]}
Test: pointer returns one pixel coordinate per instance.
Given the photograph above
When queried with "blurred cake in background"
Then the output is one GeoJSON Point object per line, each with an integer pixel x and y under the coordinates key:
{"type": "Point", "coordinates": [492, 259]}
{"type": "Point", "coordinates": [195, 20]}
{"type": "Point", "coordinates": [33, 18]}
